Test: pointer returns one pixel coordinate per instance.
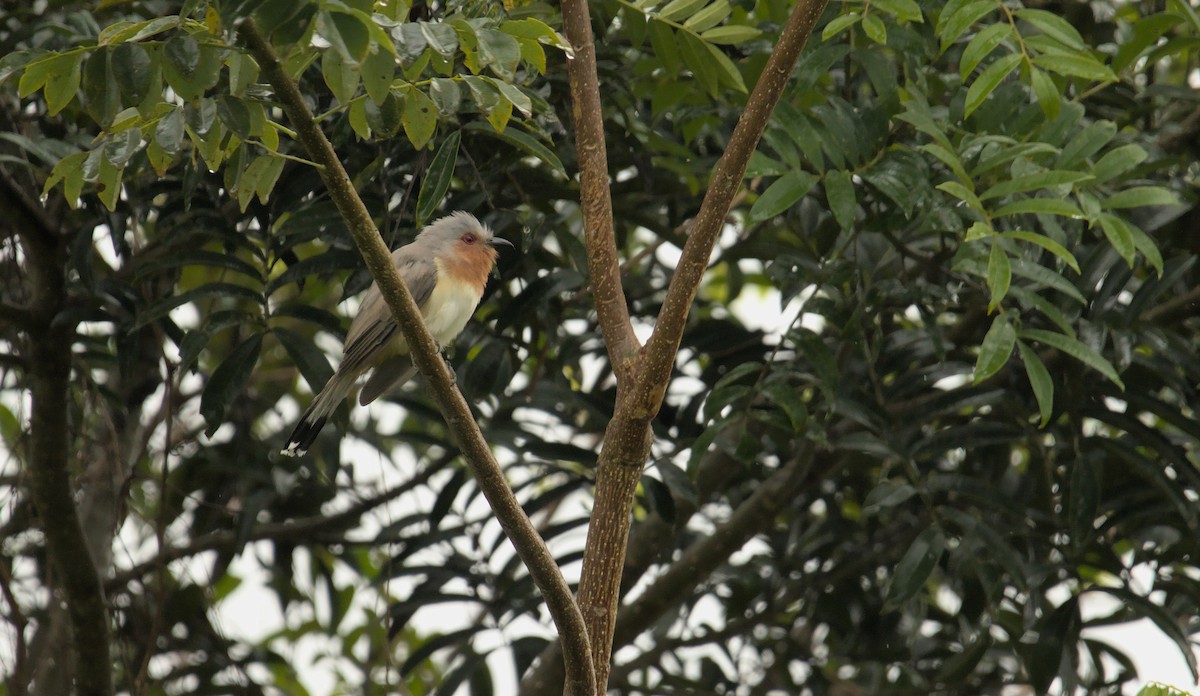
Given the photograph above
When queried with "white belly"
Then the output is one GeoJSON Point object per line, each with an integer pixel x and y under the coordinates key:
{"type": "Point", "coordinates": [449, 308]}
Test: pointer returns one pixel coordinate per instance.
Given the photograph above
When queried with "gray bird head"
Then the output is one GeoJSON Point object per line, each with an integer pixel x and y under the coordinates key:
{"type": "Point", "coordinates": [459, 229]}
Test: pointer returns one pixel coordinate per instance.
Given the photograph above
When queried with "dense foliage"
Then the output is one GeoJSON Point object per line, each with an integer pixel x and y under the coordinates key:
{"type": "Point", "coordinates": [979, 415]}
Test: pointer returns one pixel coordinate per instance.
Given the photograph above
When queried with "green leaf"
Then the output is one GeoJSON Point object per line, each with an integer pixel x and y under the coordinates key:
{"type": "Point", "coordinates": [378, 72]}
{"type": "Point", "coordinates": [312, 363]}
{"type": "Point", "coordinates": [62, 81]}
{"type": "Point", "coordinates": [875, 29]}
{"type": "Point", "coordinates": [840, 24]}
{"type": "Point", "coordinates": [1033, 182]}
{"type": "Point", "coordinates": [446, 95]}
{"type": "Point", "coordinates": [228, 381]}
{"type": "Point", "coordinates": [727, 72]}
{"type": "Point", "coordinates": [1147, 247]}
{"type": "Point", "coordinates": [358, 119]}
{"type": "Point", "coordinates": [988, 80]}
{"type": "Point", "coordinates": [948, 158]}
{"type": "Point", "coordinates": [1045, 276]}
{"type": "Point", "coordinates": [123, 32]}
{"type": "Point", "coordinates": [1075, 349]}
{"type": "Point", "coordinates": [169, 131]}
{"type": "Point", "coordinates": [36, 74]}
{"type": "Point", "coordinates": [101, 90]}
{"type": "Point", "coordinates": [996, 348]}
{"type": "Point", "coordinates": [678, 9]}
{"type": "Point", "coordinates": [1075, 65]}
{"type": "Point", "coordinates": [1053, 26]}
{"type": "Point", "coordinates": [243, 72]}
{"type": "Point", "coordinates": [1048, 95]}
{"type": "Point", "coordinates": [731, 34]}
{"type": "Point", "coordinates": [190, 68]}
{"type": "Point", "coordinates": [886, 495]}
{"type": "Point", "coordinates": [519, 99]}
{"type": "Point", "coordinates": [1118, 233]}
{"type": "Point", "coordinates": [916, 566]}
{"type": "Point", "coordinates": [980, 46]}
{"type": "Point", "coordinates": [999, 276]}
{"type": "Point", "coordinates": [1040, 381]}
{"type": "Point", "coordinates": [1046, 243]}
{"type": "Point", "coordinates": [441, 38]}
{"type": "Point", "coordinates": [1031, 300]}
{"type": "Point", "coordinates": [132, 67]}
{"type": "Point", "coordinates": [839, 190]}
{"type": "Point", "coordinates": [709, 17]}
{"type": "Point", "coordinates": [69, 172]}
{"type": "Point", "coordinates": [500, 52]}
{"type": "Point", "coordinates": [666, 48]}
{"type": "Point", "coordinates": [437, 178]}
{"type": "Point", "coordinates": [483, 92]}
{"type": "Point", "coordinates": [782, 194]}
{"type": "Point", "coordinates": [789, 400]}
{"type": "Point", "coordinates": [1086, 143]}
{"type": "Point", "coordinates": [1118, 161]}
{"type": "Point", "coordinates": [962, 193]}
{"type": "Point", "coordinates": [904, 10]}
{"type": "Point", "coordinates": [346, 33]}
{"type": "Point", "coordinates": [955, 20]}
{"type": "Point", "coordinates": [340, 76]}
{"type": "Point", "coordinates": [234, 114]}
{"type": "Point", "coordinates": [419, 118]}
{"type": "Point", "coordinates": [500, 114]}
{"type": "Point", "coordinates": [698, 59]}
{"type": "Point", "coordinates": [524, 141]}
{"type": "Point", "coordinates": [1040, 206]}
{"type": "Point", "coordinates": [1140, 196]}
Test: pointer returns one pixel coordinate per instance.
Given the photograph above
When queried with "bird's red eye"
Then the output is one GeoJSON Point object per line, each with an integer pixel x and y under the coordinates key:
{"type": "Point", "coordinates": [468, 238]}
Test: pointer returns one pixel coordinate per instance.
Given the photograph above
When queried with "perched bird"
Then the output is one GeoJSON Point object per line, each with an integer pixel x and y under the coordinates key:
{"type": "Point", "coordinates": [445, 268]}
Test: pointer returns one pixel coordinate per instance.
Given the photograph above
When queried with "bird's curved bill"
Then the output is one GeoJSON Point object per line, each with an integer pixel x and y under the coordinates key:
{"type": "Point", "coordinates": [496, 241]}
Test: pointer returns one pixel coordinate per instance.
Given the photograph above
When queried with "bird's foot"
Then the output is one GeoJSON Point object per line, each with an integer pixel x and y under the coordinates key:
{"type": "Point", "coordinates": [449, 367]}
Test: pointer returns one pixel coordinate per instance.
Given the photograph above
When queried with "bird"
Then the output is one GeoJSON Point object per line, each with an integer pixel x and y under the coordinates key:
{"type": "Point", "coordinates": [445, 269]}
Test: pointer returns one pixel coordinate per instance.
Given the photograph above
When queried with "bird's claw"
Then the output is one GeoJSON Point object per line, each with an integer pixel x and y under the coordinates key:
{"type": "Point", "coordinates": [450, 368]}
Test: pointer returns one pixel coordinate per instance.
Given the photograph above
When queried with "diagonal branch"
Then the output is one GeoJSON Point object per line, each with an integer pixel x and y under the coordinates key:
{"type": "Point", "coordinates": [594, 195]}
{"type": "Point", "coordinates": [478, 455]}
{"type": "Point", "coordinates": [726, 180]}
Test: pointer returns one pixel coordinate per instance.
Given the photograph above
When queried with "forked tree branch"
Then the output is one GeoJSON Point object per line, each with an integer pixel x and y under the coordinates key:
{"type": "Point", "coordinates": [425, 355]}
{"type": "Point", "coordinates": [628, 436]}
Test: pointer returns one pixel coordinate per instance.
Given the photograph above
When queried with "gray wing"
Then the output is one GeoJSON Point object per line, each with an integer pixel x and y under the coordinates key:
{"type": "Point", "coordinates": [374, 327]}
{"type": "Point", "coordinates": [388, 375]}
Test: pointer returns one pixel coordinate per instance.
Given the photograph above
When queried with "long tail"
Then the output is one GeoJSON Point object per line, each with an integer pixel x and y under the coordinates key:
{"type": "Point", "coordinates": [318, 411]}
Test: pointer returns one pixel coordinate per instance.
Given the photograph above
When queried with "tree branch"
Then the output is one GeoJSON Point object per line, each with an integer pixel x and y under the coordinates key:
{"type": "Point", "coordinates": [50, 447]}
{"type": "Point", "coordinates": [425, 355]}
{"type": "Point", "coordinates": [647, 541]}
{"type": "Point", "coordinates": [300, 530]}
{"type": "Point", "coordinates": [594, 195]}
{"type": "Point", "coordinates": [628, 437]}
{"type": "Point", "coordinates": [692, 568]}
{"type": "Point", "coordinates": [703, 557]}
{"type": "Point", "coordinates": [17, 316]}
{"type": "Point", "coordinates": [726, 180]}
